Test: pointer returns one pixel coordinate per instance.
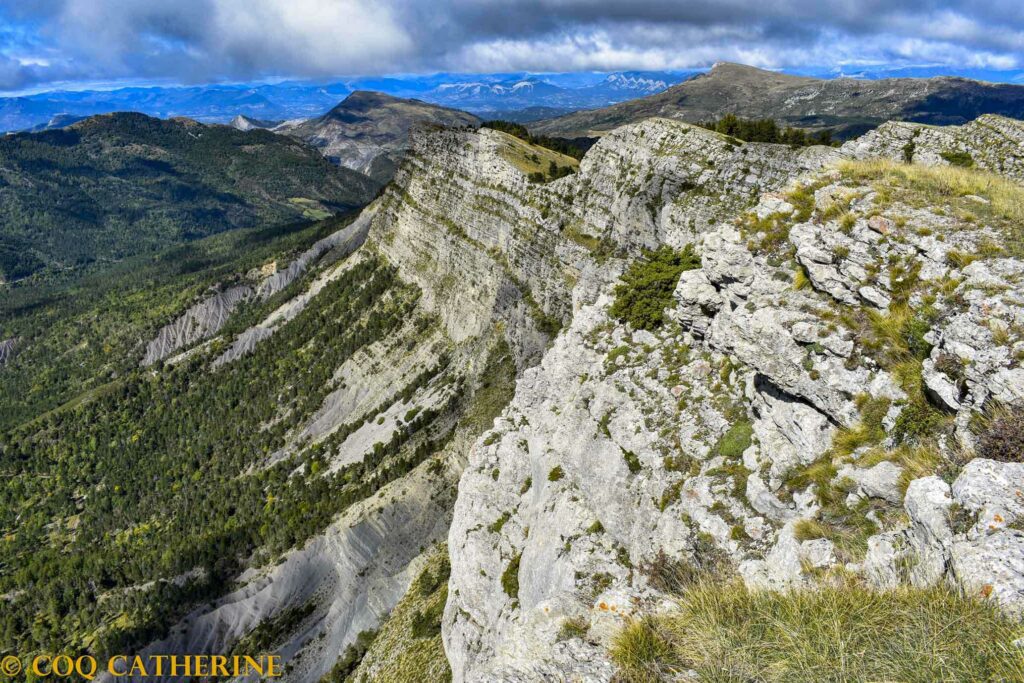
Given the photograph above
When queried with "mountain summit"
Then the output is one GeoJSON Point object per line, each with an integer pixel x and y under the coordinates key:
{"type": "Point", "coordinates": [369, 131]}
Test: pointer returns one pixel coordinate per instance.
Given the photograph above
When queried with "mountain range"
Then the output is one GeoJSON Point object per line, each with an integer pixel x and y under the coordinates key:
{"type": "Point", "coordinates": [483, 94]}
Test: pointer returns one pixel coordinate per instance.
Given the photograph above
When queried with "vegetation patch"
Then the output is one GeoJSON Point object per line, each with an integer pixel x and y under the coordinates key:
{"type": "Point", "coordinates": [575, 627]}
{"type": "Point", "coordinates": [408, 647]}
{"type": "Point", "coordinates": [767, 130]}
{"type": "Point", "coordinates": [539, 162]}
{"type": "Point", "coordinates": [647, 286]}
{"type": "Point", "coordinates": [735, 440]}
{"type": "Point", "coordinates": [958, 158]}
{"type": "Point", "coordinates": [941, 185]}
{"type": "Point", "coordinates": [833, 633]}
{"type": "Point", "coordinates": [561, 145]}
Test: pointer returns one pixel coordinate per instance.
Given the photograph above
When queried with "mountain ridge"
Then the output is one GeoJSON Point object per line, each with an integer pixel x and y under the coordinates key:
{"type": "Point", "coordinates": [848, 106]}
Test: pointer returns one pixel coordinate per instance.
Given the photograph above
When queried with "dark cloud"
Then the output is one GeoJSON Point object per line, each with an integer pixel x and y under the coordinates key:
{"type": "Point", "coordinates": [197, 40]}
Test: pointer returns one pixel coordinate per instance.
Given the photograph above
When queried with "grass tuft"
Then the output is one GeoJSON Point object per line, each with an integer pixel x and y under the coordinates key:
{"type": "Point", "coordinates": [842, 632]}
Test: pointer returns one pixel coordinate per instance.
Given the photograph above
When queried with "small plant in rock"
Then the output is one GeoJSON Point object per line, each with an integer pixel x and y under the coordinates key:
{"type": "Point", "coordinates": [674, 575]}
{"type": "Point", "coordinates": [1002, 434]}
{"type": "Point", "coordinates": [574, 627]}
{"type": "Point", "coordinates": [556, 473]}
{"type": "Point", "coordinates": [735, 440]}
{"type": "Point", "coordinates": [510, 577]}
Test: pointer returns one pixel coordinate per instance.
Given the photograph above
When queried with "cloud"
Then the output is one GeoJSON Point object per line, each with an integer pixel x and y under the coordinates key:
{"type": "Point", "coordinates": [202, 40]}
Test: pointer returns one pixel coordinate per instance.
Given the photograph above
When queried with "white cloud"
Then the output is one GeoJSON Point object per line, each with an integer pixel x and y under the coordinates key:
{"type": "Point", "coordinates": [214, 39]}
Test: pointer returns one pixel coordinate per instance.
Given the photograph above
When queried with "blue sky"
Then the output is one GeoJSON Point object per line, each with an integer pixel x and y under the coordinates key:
{"type": "Point", "coordinates": [46, 42]}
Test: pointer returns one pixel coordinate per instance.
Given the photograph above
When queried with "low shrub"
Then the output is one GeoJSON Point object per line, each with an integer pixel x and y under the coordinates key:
{"type": "Point", "coordinates": [1002, 434]}
{"type": "Point", "coordinates": [647, 286]}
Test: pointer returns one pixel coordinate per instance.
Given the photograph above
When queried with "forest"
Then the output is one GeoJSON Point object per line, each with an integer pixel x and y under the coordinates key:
{"type": "Point", "coordinates": [122, 184]}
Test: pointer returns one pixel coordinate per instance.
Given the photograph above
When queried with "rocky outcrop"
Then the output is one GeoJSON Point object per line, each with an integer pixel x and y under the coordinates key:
{"type": "Point", "coordinates": [828, 315]}
{"type": "Point", "coordinates": [243, 122]}
{"type": "Point", "coordinates": [991, 142]}
{"type": "Point", "coordinates": [978, 548]}
{"type": "Point", "coordinates": [7, 347]}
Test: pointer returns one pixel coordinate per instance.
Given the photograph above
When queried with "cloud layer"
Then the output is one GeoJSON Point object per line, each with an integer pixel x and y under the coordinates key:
{"type": "Point", "coordinates": [203, 40]}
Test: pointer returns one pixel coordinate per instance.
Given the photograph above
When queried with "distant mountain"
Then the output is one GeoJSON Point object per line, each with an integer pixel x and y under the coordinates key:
{"type": "Point", "coordinates": [210, 104]}
{"type": "Point", "coordinates": [490, 99]}
{"type": "Point", "coordinates": [369, 131]}
{"type": "Point", "coordinates": [243, 122]}
{"type": "Point", "coordinates": [528, 114]}
{"type": "Point", "coordinates": [121, 184]}
{"type": "Point", "coordinates": [846, 105]}
{"type": "Point", "coordinates": [58, 121]}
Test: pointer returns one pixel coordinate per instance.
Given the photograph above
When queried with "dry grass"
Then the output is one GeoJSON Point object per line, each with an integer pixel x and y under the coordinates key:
{"type": "Point", "coordinates": [939, 185]}
{"type": "Point", "coordinates": [835, 633]}
{"type": "Point", "coordinates": [532, 158]}
{"type": "Point", "coordinates": [917, 461]}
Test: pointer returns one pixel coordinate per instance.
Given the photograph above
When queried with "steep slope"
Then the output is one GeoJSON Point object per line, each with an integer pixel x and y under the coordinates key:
{"type": "Point", "coordinates": [848, 106]}
{"type": "Point", "coordinates": [822, 378]}
{"type": "Point", "coordinates": [369, 131]}
{"type": "Point", "coordinates": [121, 184]}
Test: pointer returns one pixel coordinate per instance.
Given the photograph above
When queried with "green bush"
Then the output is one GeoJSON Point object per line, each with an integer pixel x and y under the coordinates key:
{"type": "Point", "coordinates": [647, 286]}
{"type": "Point", "coordinates": [958, 158]}
{"type": "Point", "coordinates": [556, 473]}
